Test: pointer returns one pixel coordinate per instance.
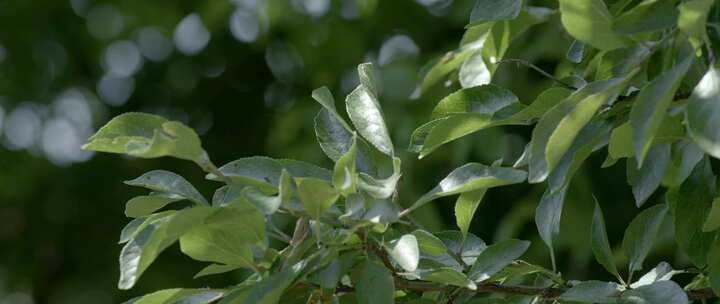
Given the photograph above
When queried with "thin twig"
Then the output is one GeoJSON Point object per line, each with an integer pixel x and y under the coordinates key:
{"type": "Point", "coordinates": [537, 69]}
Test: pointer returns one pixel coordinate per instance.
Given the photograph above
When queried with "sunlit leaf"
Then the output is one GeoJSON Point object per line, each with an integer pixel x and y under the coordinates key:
{"type": "Point", "coordinates": [650, 107]}
{"type": "Point", "coordinates": [693, 18]}
{"type": "Point", "coordinates": [365, 113]}
{"type": "Point", "coordinates": [558, 127]}
{"type": "Point", "coordinates": [449, 127]}
{"type": "Point", "coordinates": [405, 251]}
{"type": "Point", "coordinates": [147, 136]}
{"type": "Point", "coordinates": [662, 272]}
{"type": "Point", "coordinates": [226, 237]}
{"type": "Point", "coordinates": [264, 172]}
{"type": "Point", "coordinates": [142, 249]}
{"type": "Point", "coordinates": [470, 177]}
{"type": "Point", "coordinates": [170, 184]}
{"type": "Point", "coordinates": [662, 292]}
{"type": "Point", "coordinates": [344, 175]}
{"type": "Point", "coordinates": [703, 112]}
{"type": "Point", "coordinates": [335, 135]}
{"type": "Point", "coordinates": [590, 21]}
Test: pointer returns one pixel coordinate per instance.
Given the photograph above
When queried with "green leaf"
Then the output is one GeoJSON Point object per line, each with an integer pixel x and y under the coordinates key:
{"type": "Point", "coordinates": [569, 126]}
{"type": "Point", "coordinates": [651, 105]}
{"type": "Point", "coordinates": [325, 98]}
{"type": "Point", "coordinates": [381, 188]}
{"type": "Point", "coordinates": [435, 133]}
{"type": "Point", "coordinates": [713, 262]}
{"type": "Point", "coordinates": [593, 292]}
{"type": "Point", "coordinates": [599, 242]}
{"type": "Point", "coordinates": [344, 175]}
{"type": "Point", "coordinates": [147, 136]}
{"type": "Point", "coordinates": [693, 19]}
{"type": "Point", "coordinates": [132, 227]}
{"type": "Point", "coordinates": [226, 236]}
{"type": "Point", "coordinates": [382, 212]}
{"type": "Point", "coordinates": [590, 22]}
{"type": "Point", "coordinates": [316, 195]}
{"type": "Point", "coordinates": [547, 217]}
{"type": "Point", "coordinates": [620, 62]}
{"type": "Point", "coordinates": [354, 208]}
{"type": "Point", "coordinates": [215, 269]}
{"type": "Point", "coordinates": [405, 251]}
{"type": "Point", "coordinates": [332, 273]}
{"type": "Point", "coordinates": [170, 184]}
{"type": "Point", "coordinates": [147, 204]}
{"type": "Point", "coordinates": [646, 179]}
{"type": "Point", "coordinates": [690, 209]}
{"type": "Point", "coordinates": [269, 204]}
{"type": "Point", "coordinates": [575, 52]}
{"type": "Point", "coordinates": [446, 275]}
{"type": "Point", "coordinates": [270, 289]}
{"type": "Point", "coordinates": [492, 10]}
{"type": "Point", "coordinates": [142, 249]}
{"type": "Point", "coordinates": [703, 113]}
{"type": "Point", "coordinates": [485, 99]}
{"type": "Point", "coordinates": [467, 247]}
{"type": "Point", "coordinates": [470, 177]}
{"type": "Point", "coordinates": [648, 16]}
{"type": "Point", "coordinates": [439, 69]}
{"type": "Point", "coordinates": [375, 284]}
{"type": "Point", "coordinates": [428, 243]}
{"type": "Point", "coordinates": [662, 292]}
{"type": "Point", "coordinates": [474, 71]}
{"type": "Point", "coordinates": [558, 127]}
{"type": "Point", "coordinates": [264, 173]}
{"type": "Point", "coordinates": [640, 235]}
{"type": "Point", "coordinates": [495, 257]}
{"type": "Point", "coordinates": [620, 145]}
{"type": "Point", "coordinates": [520, 269]}
{"type": "Point", "coordinates": [713, 218]}
{"type": "Point", "coordinates": [465, 207]}
{"type": "Point", "coordinates": [684, 155]}
{"type": "Point", "coordinates": [549, 211]}
{"type": "Point", "coordinates": [179, 295]}
{"type": "Point", "coordinates": [227, 194]}
{"type": "Point", "coordinates": [365, 113]}
{"type": "Point", "coordinates": [335, 135]}
{"type": "Point", "coordinates": [662, 272]}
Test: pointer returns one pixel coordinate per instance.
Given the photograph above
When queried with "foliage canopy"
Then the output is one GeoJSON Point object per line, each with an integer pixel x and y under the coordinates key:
{"type": "Point", "coordinates": [644, 88]}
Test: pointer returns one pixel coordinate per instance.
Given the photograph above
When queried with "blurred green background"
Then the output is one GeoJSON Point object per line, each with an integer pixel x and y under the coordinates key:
{"type": "Point", "coordinates": [241, 73]}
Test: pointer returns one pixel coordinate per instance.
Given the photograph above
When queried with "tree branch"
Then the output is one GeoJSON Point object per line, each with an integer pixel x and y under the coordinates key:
{"type": "Point", "coordinates": [549, 293]}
